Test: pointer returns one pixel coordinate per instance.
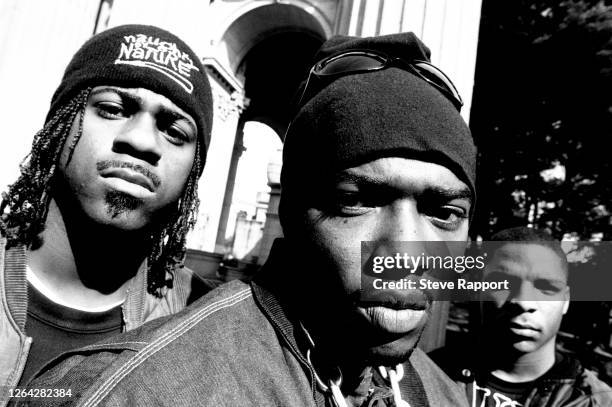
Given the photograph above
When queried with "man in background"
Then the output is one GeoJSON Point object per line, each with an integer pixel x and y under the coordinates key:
{"type": "Point", "coordinates": [93, 231]}
{"type": "Point", "coordinates": [515, 362]}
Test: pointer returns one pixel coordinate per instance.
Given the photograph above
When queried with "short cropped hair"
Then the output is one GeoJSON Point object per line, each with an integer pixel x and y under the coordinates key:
{"type": "Point", "coordinates": [527, 235]}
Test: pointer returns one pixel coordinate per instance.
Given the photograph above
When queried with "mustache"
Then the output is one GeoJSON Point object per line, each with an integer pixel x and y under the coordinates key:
{"type": "Point", "coordinates": [105, 164]}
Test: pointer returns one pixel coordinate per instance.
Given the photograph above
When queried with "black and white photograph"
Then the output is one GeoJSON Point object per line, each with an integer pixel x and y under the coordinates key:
{"type": "Point", "coordinates": [330, 203]}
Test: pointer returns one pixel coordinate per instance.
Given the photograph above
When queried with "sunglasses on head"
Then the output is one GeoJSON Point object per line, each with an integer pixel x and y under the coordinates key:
{"type": "Point", "coordinates": [357, 61]}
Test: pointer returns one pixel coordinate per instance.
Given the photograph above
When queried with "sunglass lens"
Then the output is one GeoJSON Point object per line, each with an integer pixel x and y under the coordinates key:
{"type": "Point", "coordinates": [350, 63]}
{"type": "Point", "coordinates": [434, 75]}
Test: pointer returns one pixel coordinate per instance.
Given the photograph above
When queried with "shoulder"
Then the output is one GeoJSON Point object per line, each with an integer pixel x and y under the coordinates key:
{"type": "Point", "coordinates": [572, 384]}
{"type": "Point", "coordinates": [600, 392]}
{"type": "Point", "coordinates": [174, 347]}
{"type": "Point", "coordinates": [227, 303]}
{"type": "Point", "coordinates": [440, 389]}
{"type": "Point", "coordinates": [191, 286]}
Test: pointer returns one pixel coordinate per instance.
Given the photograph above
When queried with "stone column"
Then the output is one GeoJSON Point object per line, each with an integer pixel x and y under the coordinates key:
{"type": "Point", "coordinates": [272, 229]}
{"type": "Point", "coordinates": [229, 103]}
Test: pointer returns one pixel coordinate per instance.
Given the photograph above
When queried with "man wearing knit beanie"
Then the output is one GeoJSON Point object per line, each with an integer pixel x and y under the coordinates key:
{"type": "Point", "coordinates": [93, 231]}
{"type": "Point", "coordinates": [377, 152]}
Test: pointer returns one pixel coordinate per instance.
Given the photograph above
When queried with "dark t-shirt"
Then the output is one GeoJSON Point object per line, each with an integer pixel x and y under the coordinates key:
{"type": "Point", "coordinates": [499, 393]}
{"type": "Point", "coordinates": [56, 329]}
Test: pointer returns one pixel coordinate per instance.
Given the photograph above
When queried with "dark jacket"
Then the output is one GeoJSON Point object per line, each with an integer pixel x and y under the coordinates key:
{"type": "Point", "coordinates": [234, 347]}
{"type": "Point", "coordinates": [567, 384]}
{"type": "Point", "coordinates": [138, 308]}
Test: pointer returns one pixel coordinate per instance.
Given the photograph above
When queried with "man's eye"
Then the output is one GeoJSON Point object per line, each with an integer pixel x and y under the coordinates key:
{"type": "Point", "coordinates": [448, 217]}
{"type": "Point", "coordinates": [176, 134]}
{"type": "Point", "coordinates": [350, 203]}
{"type": "Point", "coordinates": [178, 130]}
{"type": "Point", "coordinates": [110, 110]}
{"type": "Point", "coordinates": [547, 287]}
{"type": "Point", "coordinates": [495, 277]}
{"type": "Point", "coordinates": [345, 198]}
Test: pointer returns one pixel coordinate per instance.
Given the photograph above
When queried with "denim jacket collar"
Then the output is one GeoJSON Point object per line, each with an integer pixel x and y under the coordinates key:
{"type": "Point", "coordinates": [289, 330]}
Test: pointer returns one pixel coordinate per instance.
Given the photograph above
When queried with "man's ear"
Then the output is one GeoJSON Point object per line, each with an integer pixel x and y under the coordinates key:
{"type": "Point", "coordinates": [566, 300]}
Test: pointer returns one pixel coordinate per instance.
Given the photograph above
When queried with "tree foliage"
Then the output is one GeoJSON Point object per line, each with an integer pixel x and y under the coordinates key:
{"type": "Point", "coordinates": [542, 117]}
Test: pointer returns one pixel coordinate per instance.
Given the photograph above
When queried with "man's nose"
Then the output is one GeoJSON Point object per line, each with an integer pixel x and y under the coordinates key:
{"type": "Point", "coordinates": [402, 222]}
{"type": "Point", "coordinates": [139, 137]}
{"type": "Point", "coordinates": [523, 296]}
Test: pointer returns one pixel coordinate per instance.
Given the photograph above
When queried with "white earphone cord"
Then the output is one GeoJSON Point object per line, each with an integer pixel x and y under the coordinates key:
{"type": "Point", "coordinates": [394, 376]}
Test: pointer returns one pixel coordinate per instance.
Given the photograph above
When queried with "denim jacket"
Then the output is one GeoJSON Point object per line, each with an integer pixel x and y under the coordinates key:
{"type": "Point", "coordinates": [236, 346]}
{"type": "Point", "coordinates": [138, 308]}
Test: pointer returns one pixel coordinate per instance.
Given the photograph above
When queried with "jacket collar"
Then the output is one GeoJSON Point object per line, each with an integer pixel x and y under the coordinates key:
{"type": "Point", "coordinates": [13, 275]}
{"type": "Point", "coordinates": [135, 299]}
{"type": "Point", "coordinates": [565, 368]}
{"type": "Point", "coordinates": [266, 286]}
{"type": "Point", "coordinates": [466, 367]}
{"type": "Point", "coordinates": [13, 265]}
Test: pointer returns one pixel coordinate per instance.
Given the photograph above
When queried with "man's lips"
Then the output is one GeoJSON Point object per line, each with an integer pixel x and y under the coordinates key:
{"type": "Point", "coordinates": [523, 329]}
{"type": "Point", "coordinates": [521, 325]}
{"type": "Point", "coordinates": [393, 320]}
{"type": "Point", "coordinates": [129, 175]}
{"type": "Point", "coordinates": [397, 314]}
{"type": "Point", "coordinates": [396, 304]}
{"type": "Point", "coordinates": [395, 299]}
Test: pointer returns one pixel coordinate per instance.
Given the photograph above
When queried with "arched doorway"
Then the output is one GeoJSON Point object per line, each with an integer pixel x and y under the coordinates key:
{"type": "Point", "coordinates": [273, 70]}
{"type": "Point", "coordinates": [270, 49]}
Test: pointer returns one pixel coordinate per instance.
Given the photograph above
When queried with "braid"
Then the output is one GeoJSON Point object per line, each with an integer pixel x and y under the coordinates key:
{"type": "Point", "coordinates": [27, 200]}
{"type": "Point", "coordinates": [169, 243]}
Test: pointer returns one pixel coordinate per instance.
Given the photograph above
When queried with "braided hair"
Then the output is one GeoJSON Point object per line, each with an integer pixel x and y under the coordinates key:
{"type": "Point", "coordinates": [24, 208]}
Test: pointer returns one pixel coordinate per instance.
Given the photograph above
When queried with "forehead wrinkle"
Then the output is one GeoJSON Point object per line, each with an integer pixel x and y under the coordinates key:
{"type": "Point", "coordinates": [357, 178]}
{"type": "Point", "coordinates": [395, 181]}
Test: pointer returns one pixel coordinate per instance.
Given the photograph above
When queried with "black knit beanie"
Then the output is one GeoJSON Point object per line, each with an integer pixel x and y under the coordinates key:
{"type": "Point", "coordinates": [132, 56]}
{"type": "Point", "coordinates": [365, 116]}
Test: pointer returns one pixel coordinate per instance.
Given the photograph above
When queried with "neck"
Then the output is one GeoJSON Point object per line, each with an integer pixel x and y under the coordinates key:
{"type": "Point", "coordinates": [356, 384]}
{"type": "Point", "coordinates": [356, 380]}
{"type": "Point", "coordinates": [85, 264]}
{"type": "Point", "coordinates": [328, 363]}
{"type": "Point", "coordinates": [356, 374]}
{"type": "Point", "coordinates": [527, 366]}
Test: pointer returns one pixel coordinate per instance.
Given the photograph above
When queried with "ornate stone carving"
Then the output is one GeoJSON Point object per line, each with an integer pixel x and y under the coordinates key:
{"type": "Point", "coordinates": [227, 105]}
